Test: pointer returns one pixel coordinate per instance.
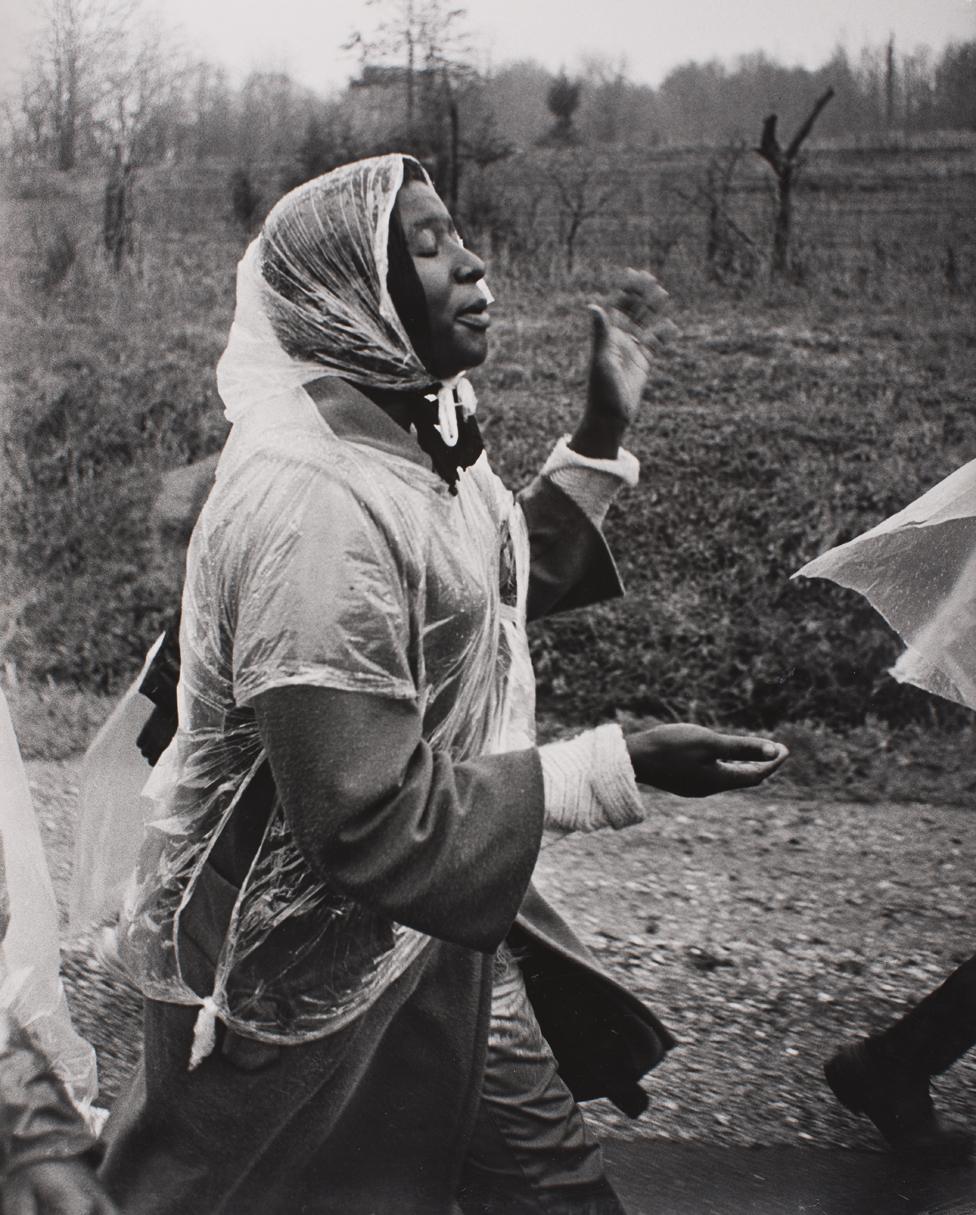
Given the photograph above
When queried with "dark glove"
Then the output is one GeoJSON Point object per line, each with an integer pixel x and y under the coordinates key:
{"type": "Point", "coordinates": [159, 686]}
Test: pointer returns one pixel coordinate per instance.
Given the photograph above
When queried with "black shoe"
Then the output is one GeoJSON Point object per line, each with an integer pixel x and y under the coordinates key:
{"type": "Point", "coordinates": [900, 1106]}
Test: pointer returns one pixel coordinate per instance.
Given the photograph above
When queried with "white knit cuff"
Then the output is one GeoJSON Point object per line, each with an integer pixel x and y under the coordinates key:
{"type": "Point", "coordinates": [591, 483]}
{"type": "Point", "coordinates": [589, 782]}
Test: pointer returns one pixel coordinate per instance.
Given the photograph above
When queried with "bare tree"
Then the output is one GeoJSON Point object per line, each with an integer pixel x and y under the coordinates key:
{"type": "Point", "coordinates": [423, 38]}
{"type": "Point", "coordinates": [207, 111]}
{"type": "Point", "coordinates": [117, 217]}
{"type": "Point", "coordinates": [890, 82]}
{"type": "Point", "coordinates": [100, 77]}
{"type": "Point", "coordinates": [730, 251]}
{"type": "Point", "coordinates": [582, 193]}
{"type": "Point", "coordinates": [917, 88]}
{"type": "Point", "coordinates": [606, 112]}
{"type": "Point", "coordinates": [66, 82]}
{"type": "Point", "coordinates": [144, 91]}
{"type": "Point", "coordinates": [424, 44]}
{"type": "Point", "coordinates": [267, 113]}
{"type": "Point", "coordinates": [785, 164]}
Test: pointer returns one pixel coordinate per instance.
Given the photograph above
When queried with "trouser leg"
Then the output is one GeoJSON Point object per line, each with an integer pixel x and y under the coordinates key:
{"type": "Point", "coordinates": [886, 1076]}
{"type": "Point", "coordinates": [531, 1152]}
{"type": "Point", "coordinates": [941, 1027]}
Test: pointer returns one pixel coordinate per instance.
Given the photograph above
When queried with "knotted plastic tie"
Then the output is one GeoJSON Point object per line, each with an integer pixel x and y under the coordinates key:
{"type": "Point", "coordinates": [204, 1032]}
{"type": "Point", "coordinates": [453, 392]}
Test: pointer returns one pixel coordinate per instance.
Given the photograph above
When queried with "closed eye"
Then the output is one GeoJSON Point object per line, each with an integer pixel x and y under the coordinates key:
{"type": "Point", "coordinates": [427, 237]}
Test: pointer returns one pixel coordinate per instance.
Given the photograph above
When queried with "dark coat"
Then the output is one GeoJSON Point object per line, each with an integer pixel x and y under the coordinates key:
{"type": "Point", "coordinates": [376, 1117]}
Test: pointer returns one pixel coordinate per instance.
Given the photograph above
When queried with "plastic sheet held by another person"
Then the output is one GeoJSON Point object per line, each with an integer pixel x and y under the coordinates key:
{"type": "Point", "coordinates": [48, 1125]}
{"type": "Point", "coordinates": [918, 568]}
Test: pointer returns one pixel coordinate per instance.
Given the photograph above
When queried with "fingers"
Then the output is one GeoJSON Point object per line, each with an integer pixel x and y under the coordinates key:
{"type": "Point", "coordinates": [637, 310]}
{"type": "Point", "coordinates": [746, 761]}
{"type": "Point", "coordinates": [641, 297]}
{"type": "Point", "coordinates": [743, 775]}
{"type": "Point", "coordinates": [601, 326]}
{"type": "Point", "coordinates": [665, 331]}
{"type": "Point", "coordinates": [747, 747]}
{"type": "Point", "coordinates": [747, 770]}
{"type": "Point", "coordinates": [642, 289]}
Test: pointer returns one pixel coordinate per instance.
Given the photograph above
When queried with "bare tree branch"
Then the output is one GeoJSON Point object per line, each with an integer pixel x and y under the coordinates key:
{"type": "Point", "coordinates": [769, 148]}
{"type": "Point", "coordinates": [784, 165]}
{"type": "Point", "coordinates": [807, 127]}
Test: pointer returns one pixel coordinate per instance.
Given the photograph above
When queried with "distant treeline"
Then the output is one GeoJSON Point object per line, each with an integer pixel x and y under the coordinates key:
{"type": "Point", "coordinates": [101, 86]}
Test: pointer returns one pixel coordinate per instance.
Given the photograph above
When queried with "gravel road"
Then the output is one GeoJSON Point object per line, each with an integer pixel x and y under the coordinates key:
{"type": "Point", "coordinates": [762, 931]}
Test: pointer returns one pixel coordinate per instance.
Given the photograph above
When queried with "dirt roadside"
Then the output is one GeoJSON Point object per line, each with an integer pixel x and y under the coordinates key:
{"type": "Point", "coordinates": [762, 930]}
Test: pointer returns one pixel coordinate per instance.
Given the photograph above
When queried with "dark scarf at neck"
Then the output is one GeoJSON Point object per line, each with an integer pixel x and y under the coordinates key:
{"type": "Point", "coordinates": [413, 410]}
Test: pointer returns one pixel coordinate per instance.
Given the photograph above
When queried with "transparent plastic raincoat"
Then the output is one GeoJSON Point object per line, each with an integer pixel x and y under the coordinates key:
{"type": "Point", "coordinates": [40, 1051]}
{"type": "Point", "coordinates": [316, 562]}
{"type": "Point", "coordinates": [918, 569]}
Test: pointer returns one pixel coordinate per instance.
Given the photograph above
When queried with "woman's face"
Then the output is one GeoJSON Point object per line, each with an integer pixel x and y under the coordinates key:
{"type": "Point", "coordinates": [449, 274]}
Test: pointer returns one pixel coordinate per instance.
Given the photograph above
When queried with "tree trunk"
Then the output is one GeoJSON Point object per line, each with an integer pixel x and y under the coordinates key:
{"type": "Point", "coordinates": [66, 146]}
{"type": "Point", "coordinates": [68, 118]}
{"type": "Point", "coordinates": [411, 66]}
{"type": "Point", "coordinates": [117, 218]}
{"type": "Point", "coordinates": [890, 83]}
{"type": "Point", "coordinates": [781, 227]}
{"type": "Point", "coordinates": [784, 163]}
{"type": "Point", "coordinates": [454, 184]}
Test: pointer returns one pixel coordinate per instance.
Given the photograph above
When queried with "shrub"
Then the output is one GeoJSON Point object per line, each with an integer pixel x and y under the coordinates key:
{"type": "Point", "coordinates": [245, 200]}
{"type": "Point", "coordinates": [53, 258]}
{"type": "Point", "coordinates": [85, 465]}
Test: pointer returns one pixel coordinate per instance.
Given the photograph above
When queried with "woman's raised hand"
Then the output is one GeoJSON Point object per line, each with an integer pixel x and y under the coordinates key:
{"type": "Point", "coordinates": [626, 332]}
{"type": "Point", "coordinates": [694, 761]}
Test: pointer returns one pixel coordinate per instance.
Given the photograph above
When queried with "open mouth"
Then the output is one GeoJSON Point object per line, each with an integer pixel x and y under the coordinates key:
{"type": "Point", "coordinates": [475, 317]}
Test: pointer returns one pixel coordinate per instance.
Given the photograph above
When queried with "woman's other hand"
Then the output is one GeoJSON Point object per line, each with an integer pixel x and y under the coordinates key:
{"type": "Point", "coordinates": [625, 334]}
{"type": "Point", "coordinates": [694, 761]}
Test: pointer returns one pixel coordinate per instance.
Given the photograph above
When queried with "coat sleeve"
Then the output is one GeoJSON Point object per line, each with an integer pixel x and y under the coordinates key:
{"type": "Point", "coordinates": [571, 565]}
{"type": "Point", "coordinates": [328, 614]}
{"type": "Point", "coordinates": [447, 848]}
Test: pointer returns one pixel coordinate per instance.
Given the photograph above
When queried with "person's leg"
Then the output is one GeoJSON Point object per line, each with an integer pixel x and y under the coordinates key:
{"type": "Point", "coordinates": [887, 1075]}
{"type": "Point", "coordinates": [531, 1152]}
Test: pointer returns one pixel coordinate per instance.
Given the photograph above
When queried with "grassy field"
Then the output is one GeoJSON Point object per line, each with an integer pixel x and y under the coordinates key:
{"type": "Point", "coordinates": [786, 419]}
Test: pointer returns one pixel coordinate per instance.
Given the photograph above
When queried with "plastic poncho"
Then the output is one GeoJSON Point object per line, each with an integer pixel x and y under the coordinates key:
{"type": "Point", "coordinates": [327, 562]}
{"type": "Point", "coordinates": [31, 993]}
{"type": "Point", "coordinates": [110, 794]}
{"type": "Point", "coordinates": [918, 569]}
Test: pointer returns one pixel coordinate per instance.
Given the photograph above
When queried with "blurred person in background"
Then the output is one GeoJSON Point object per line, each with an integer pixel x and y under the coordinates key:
{"type": "Point", "coordinates": [355, 999]}
{"type": "Point", "coordinates": [918, 568]}
{"type": "Point", "coordinates": [48, 1148]}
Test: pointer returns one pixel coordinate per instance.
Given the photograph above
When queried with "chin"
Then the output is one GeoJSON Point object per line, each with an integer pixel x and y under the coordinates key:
{"type": "Point", "coordinates": [472, 356]}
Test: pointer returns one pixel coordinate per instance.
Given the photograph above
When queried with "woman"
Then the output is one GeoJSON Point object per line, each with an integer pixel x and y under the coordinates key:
{"type": "Point", "coordinates": [328, 914]}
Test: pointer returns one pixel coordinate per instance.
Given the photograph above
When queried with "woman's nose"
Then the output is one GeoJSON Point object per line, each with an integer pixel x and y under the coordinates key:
{"type": "Point", "coordinates": [469, 268]}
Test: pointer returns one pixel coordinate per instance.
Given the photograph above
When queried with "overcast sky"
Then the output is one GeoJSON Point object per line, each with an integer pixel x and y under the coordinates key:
{"type": "Point", "coordinates": [304, 37]}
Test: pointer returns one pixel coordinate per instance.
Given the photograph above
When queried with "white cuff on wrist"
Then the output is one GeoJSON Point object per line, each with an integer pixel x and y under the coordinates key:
{"type": "Point", "coordinates": [623, 467]}
{"type": "Point", "coordinates": [589, 782]}
{"type": "Point", "coordinates": [591, 483]}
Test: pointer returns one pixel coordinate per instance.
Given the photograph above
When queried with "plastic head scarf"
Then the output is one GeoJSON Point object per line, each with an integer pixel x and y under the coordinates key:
{"type": "Point", "coordinates": [312, 298]}
{"type": "Point", "coordinates": [918, 569]}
